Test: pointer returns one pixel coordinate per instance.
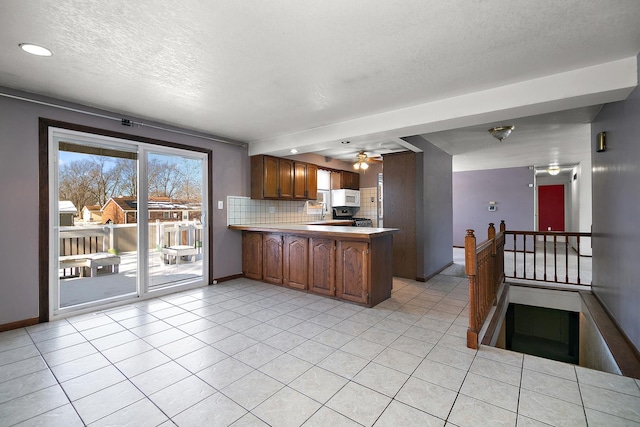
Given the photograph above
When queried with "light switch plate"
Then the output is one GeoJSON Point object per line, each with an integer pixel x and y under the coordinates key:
{"type": "Point", "coordinates": [220, 204]}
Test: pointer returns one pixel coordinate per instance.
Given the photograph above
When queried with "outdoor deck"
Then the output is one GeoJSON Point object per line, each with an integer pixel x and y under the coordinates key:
{"type": "Point", "coordinates": [106, 284]}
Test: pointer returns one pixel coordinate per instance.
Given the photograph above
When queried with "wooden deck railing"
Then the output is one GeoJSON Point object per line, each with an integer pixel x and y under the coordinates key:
{"type": "Point", "coordinates": [85, 240]}
{"type": "Point", "coordinates": [548, 256]}
{"type": "Point", "coordinates": [484, 264]}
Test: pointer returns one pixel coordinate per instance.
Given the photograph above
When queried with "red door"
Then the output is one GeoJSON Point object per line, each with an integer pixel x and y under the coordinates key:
{"type": "Point", "coordinates": [551, 208]}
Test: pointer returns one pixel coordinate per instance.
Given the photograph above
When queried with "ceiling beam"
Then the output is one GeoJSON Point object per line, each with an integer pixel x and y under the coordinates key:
{"type": "Point", "coordinates": [598, 84]}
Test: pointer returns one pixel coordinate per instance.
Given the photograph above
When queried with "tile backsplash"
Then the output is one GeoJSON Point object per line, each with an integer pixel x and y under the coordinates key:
{"type": "Point", "coordinates": [244, 210]}
{"type": "Point", "coordinates": [368, 204]}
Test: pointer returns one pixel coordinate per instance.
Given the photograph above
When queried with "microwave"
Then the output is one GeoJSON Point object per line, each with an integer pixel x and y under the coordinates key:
{"type": "Point", "coordinates": [345, 197]}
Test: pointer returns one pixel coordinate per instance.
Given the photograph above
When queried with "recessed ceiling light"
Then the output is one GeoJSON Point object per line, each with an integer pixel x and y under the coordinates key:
{"type": "Point", "coordinates": [34, 49]}
{"type": "Point", "coordinates": [293, 151]}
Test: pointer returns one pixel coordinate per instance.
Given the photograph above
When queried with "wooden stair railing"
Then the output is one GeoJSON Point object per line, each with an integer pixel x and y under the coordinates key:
{"type": "Point", "coordinates": [557, 255]}
{"type": "Point", "coordinates": [484, 264]}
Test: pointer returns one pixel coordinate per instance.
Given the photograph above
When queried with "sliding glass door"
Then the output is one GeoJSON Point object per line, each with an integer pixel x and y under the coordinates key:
{"type": "Point", "coordinates": [127, 220]}
{"type": "Point", "coordinates": [175, 185]}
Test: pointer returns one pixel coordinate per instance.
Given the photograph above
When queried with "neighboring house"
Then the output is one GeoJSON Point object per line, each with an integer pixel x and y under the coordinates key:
{"type": "Point", "coordinates": [124, 210]}
{"type": "Point", "coordinates": [91, 213]}
{"type": "Point", "coordinates": [67, 211]}
{"type": "Point", "coordinates": [120, 210]}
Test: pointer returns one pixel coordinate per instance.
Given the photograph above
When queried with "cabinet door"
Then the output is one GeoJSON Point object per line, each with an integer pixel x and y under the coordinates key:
{"type": "Point", "coordinates": [296, 259]}
{"type": "Point", "coordinates": [352, 271]}
{"type": "Point", "coordinates": [336, 180]}
{"type": "Point", "coordinates": [312, 182]}
{"type": "Point", "coordinates": [271, 175]}
{"type": "Point", "coordinates": [272, 258]}
{"type": "Point", "coordinates": [322, 266]}
{"type": "Point", "coordinates": [252, 255]}
{"type": "Point", "coordinates": [300, 181]}
{"type": "Point", "coordinates": [355, 183]}
{"type": "Point", "coordinates": [350, 180]}
{"type": "Point", "coordinates": [285, 181]}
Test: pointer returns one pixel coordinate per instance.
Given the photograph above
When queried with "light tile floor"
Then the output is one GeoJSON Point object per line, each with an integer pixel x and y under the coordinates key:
{"type": "Point", "coordinates": [244, 353]}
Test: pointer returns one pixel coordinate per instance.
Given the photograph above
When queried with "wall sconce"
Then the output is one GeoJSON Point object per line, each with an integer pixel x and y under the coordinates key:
{"type": "Point", "coordinates": [601, 142]}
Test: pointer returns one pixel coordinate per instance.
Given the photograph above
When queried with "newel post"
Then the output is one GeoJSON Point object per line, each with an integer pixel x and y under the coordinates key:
{"type": "Point", "coordinates": [470, 253]}
{"type": "Point", "coordinates": [503, 226]}
{"type": "Point", "coordinates": [493, 268]}
{"type": "Point", "coordinates": [471, 269]}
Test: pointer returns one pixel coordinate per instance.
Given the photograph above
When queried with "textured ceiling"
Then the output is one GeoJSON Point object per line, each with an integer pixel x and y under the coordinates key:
{"type": "Point", "coordinates": [254, 70]}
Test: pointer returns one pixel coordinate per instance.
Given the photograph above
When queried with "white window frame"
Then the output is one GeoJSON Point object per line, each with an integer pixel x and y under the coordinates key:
{"type": "Point", "coordinates": [55, 135]}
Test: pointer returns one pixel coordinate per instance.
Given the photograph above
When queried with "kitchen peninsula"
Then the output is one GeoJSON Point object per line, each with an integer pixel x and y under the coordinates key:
{"type": "Point", "coordinates": [354, 264]}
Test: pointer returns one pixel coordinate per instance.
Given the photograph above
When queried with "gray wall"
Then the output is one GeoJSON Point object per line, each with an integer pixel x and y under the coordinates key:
{"type": "Point", "coordinates": [437, 208]}
{"type": "Point", "coordinates": [616, 213]}
{"type": "Point", "coordinates": [509, 188]}
{"type": "Point", "coordinates": [369, 178]}
{"type": "Point", "coordinates": [19, 195]}
{"type": "Point", "coordinates": [322, 161]}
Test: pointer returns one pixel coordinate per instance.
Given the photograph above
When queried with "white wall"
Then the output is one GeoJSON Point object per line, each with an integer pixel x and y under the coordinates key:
{"type": "Point", "coordinates": [581, 202]}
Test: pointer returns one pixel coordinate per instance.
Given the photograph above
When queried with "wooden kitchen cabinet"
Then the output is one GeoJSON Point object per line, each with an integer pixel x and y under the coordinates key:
{"type": "Point", "coordinates": [272, 258]}
{"type": "Point", "coordinates": [352, 271]}
{"type": "Point", "coordinates": [345, 179]}
{"type": "Point", "coordinates": [295, 266]}
{"type": "Point", "coordinates": [271, 178]}
{"type": "Point", "coordinates": [312, 181]}
{"type": "Point", "coordinates": [252, 255]}
{"type": "Point", "coordinates": [322, 266]}
{"type": "Point", "coordinates": [305, 185]}
{"type": "Point", "coordinates": [345, 263]}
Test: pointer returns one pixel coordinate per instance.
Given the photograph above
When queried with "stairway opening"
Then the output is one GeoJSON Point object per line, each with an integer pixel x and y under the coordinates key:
{"type": "Point", "coordinates": [544, 332]}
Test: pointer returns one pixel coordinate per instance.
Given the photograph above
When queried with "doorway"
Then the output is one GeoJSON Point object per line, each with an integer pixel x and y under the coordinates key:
{"type": "Point", "coordinates": [551, 208]}
{"type": "Point", "coordinates": [127, 220]}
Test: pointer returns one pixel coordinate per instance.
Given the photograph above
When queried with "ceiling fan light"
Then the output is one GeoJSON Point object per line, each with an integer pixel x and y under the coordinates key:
{"type": "Point", "coordinates": [356, 165]}
{"type": "Point", "coordinates": [364, 166]}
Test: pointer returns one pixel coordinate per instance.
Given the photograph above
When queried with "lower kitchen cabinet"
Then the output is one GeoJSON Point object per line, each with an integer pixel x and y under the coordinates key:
{"type": "Point", "coordinates": [322, 266]}
{"type": "Point", "coordinates": [272, 258]}
{"type": "Point", "coordinates": [352, 271]}
{"type": "Point", "coordinates": [295, 266]}
{"type": "Point", "coordinates": [357, 270]}
{"type": "Point", "coordinates": [252, 255]}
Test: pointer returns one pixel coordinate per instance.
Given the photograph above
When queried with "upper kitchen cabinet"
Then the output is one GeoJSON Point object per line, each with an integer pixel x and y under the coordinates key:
{"type": "Point", "coordinates": [345, 179]}
{"type": "Point", "coordinates": [271, 178]}
{"type": "Point", "coordinates": [305, 185]}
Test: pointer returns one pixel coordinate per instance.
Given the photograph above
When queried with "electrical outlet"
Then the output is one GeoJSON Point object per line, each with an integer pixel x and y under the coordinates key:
{"type": "Point", "coordinates": [220, 204]}
{"type": "Point", "coordinates": [272, 209]}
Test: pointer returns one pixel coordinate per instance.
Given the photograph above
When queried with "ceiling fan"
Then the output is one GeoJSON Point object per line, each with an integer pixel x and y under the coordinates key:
{"type": "Point", "coordinates": [361, 161]}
